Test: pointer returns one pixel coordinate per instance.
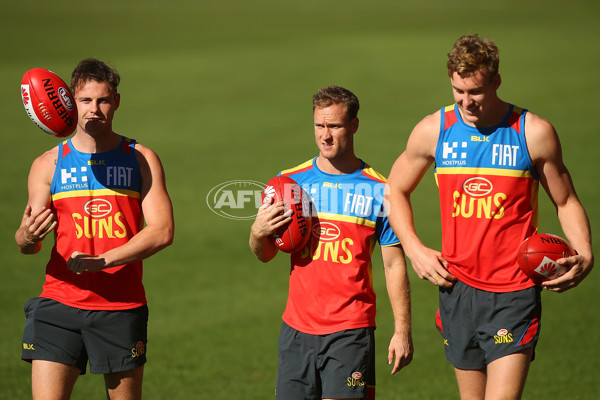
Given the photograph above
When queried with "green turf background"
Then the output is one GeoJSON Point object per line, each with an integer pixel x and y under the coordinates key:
{"type": "Point", "coordinates": [222, 91]}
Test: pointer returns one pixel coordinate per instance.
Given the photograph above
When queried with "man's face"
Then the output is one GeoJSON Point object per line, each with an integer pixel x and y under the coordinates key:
{"type": "Point", "coordinates": [334, 131]}
{"type": "Point", "coordinates": [96, 105]}
{"type": "Point", "coordinates": [473, 95]}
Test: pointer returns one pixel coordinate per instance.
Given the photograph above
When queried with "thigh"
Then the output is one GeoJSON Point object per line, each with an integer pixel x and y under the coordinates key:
{"type": "Point", "coordinates": [503, 378]}
{"type": "Point", "coordinates": [346, 361]}
{"type": "Point", "coordinates": [471, 383]}
{"type": "Point", "coordinates": [297, 377]}
{"type": "Point", "coordinates": [53, 333]}
{"type": "Point", "coordinates": [116, 340]}
{"type": "Point", "coordinates": [125, 385]}
{"type": "Point", "coordinates": [506, 376]}
{"type": "Point", "coordinates": [52, 380]}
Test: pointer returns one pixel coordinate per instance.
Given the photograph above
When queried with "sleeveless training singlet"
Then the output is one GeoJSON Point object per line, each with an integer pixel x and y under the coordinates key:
{"type": "Point", "coordinates": [488, 197]}
{"type": "Point", "coordinates": [331, 282]}
{"type": "Point", "coordinates": [96, 198]}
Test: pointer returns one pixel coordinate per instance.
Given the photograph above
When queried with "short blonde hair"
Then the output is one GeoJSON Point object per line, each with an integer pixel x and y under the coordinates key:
{"type": "Point", "coordinates": [471, 54]}
{"type": "Point", "coordinates": [337, 95]}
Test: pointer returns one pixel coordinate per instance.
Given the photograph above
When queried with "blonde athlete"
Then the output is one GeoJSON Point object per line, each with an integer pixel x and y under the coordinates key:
{"type": "Point", "coordinates": [490, 156]}
{"type": "Point", "coordinates": [326, 343]}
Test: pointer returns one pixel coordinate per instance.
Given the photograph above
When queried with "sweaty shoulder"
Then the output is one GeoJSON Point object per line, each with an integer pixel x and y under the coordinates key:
{"type": "Point", "coordinates": [50, 155]}
{"type": "Point", "coordinates": [145, 155]}
{"type": "Point", "coordinates": [150, 166]}
{"type": "Point", "coordinates": [143, 149]}
{"type": "Point", "coordinates": [431, 121]}
{"type": "Point", "coordinates": [542, 139]}
{"type": "Point", "coordinates": [423, 138]}
{"type": "Point", "coordinates": [46, 162]}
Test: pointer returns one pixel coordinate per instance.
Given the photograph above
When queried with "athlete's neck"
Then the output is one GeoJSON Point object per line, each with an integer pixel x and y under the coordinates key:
{"type": "Point", "coordinates": [86, 143]}
{"type": "Point", "coordinates": [338, 167]}
{"type": "Point", "coordinates": [491, 115]}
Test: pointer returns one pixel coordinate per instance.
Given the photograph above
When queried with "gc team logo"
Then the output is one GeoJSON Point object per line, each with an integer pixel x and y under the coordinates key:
{"type": "Point", "coordinates": [478, 186]}
{"type": "Point", "coordinates": [326, 231]}
{"type": "Point", "coordinates": [97, 208]}
{"type": "Point", "coordinates": [237, 199]}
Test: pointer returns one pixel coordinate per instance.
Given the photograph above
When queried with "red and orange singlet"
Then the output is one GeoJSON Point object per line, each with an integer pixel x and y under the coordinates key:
{"type": "Point", "coordinates": [96, 198]}
{"type": "Point", "coordinates": [488, 198]}
{"type": "Point", "coordinates": [331, 280]}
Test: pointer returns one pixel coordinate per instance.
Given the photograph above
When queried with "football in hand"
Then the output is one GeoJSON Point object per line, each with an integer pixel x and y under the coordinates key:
{"type": "Point", "coordinates": [49, 102]}
{"type": "Point", "coordinates": [293, 236]}
{"type": "Point", "coordinates": [538, 254]}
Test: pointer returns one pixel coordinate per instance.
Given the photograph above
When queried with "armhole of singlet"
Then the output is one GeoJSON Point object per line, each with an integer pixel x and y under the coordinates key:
{"type": "Point", "coordinates": [59, 157]}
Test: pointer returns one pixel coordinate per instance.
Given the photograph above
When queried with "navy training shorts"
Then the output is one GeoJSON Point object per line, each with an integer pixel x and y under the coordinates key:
{"type": "Point", "coordinates": [112, 341]}
{"type": "Point", "coordinates": [337, 365]}
{"type": "Point", "coordinates": [479, 327]}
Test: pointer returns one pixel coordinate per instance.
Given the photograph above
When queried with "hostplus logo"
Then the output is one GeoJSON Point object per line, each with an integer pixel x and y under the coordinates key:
{"type": "Point", "coordinates": [70, 175]}
{"type": "Point", "coordinates": [73, 178]}
{"type": "Point", "coordinates": [454, 154]}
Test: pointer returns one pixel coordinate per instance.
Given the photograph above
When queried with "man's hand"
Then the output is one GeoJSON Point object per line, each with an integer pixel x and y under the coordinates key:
{"type": "Point", "coordinates": [81, 262]}
{"type": "Point", "coordinates": [269, 219]}
{"type": "Point", "coordinates": [578, 268]}
{"type": "Point", "coordinates": [400, 351]}
{"type": "Point", "coordinates": [35, 226]}
{"type": "Point", "coordinates": [430, 265]}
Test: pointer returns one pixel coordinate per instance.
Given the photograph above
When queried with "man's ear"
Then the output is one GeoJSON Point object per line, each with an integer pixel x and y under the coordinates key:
{"type": "Point", "coordinates": [497, 81]}
{"type": "Point", "coordinates": [354, 125]}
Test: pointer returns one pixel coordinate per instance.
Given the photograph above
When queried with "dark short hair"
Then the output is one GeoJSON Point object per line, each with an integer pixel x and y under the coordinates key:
{"type": "Point", "coordinates": [91, 69]}
{"type": "Point", "coordinates": [337, 95]}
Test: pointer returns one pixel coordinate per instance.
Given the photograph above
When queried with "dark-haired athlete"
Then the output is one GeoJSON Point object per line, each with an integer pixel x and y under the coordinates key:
{"type": "Point", "coordinates": [105, 198]}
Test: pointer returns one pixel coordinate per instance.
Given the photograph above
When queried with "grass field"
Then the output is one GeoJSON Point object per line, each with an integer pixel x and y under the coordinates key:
{"type": "Point", "coordinates": [222, 91]}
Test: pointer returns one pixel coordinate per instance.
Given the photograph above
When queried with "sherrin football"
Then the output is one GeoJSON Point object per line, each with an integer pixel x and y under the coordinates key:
{"type": "Point", "coordinates": [538, 254]}
{"type": "Point", "coordinates": [293, 236]}
{"type": "Point", "coordinates": [49, 102]}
